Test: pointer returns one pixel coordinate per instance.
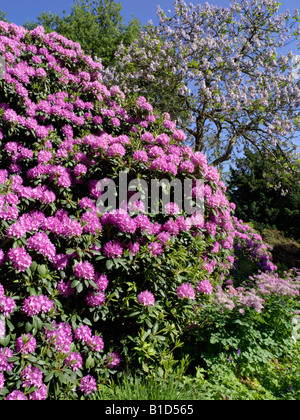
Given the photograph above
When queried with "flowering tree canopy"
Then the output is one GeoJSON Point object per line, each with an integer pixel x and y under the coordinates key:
{"type": "Point", "coordinates": [222, 68]}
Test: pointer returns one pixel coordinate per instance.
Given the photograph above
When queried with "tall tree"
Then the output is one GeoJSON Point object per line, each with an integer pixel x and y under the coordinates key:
{"type": "Point", "coordinates": [222, 66]}
{"type": "Point", "coordinates": [3, 16]}
{"type": "Point", "coordinates": [266, 192]}
{"type": "Point", "coordinates": [96, 24]}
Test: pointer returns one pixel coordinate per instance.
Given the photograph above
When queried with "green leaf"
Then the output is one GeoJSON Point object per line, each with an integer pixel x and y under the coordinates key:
{"type": "Point", "coordinates": [37, 323]}
{"type": "Point", "coordinates": [79, 287]}
{"type": "Point", "coordinates": [33, 267]}
{"type": "Point", "coordinates": [155, 328]}
{"type": "Point", "coordinates": [90, 362]}
{"type": "Point", "coordinates": [75, 283]}
{"type": "Point", "coordinates": [109, 264]}
{"type": "Point", "coordinates": [42, 270]}
{"type": "Point", "coordinates": [28, 327]}
{"type": "Point", "coordinates": [49, 376]}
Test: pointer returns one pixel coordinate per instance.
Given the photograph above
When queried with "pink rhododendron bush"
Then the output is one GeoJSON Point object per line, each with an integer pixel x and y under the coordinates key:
{"type": "Point", "coordinates": [85, 291]}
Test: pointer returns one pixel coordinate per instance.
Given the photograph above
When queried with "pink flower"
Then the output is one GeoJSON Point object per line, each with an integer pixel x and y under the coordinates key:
{"type": "Point", "coordinates": [142, 221]}
{"type": "Point", "coordinates": [11, 198]}
{"type": "Point", "coordinates": [186, 291]}
{"type": "Point", "coordinates": [2, 331]}
{"type": "Point", "coordinates": [10, 115]}
{"type": "Point", "coordinates": [1, 291]}
{"type": "Point", "coordinates": [148, 138]}
{"type": "Point", "coordinates": [80, 170]}
{"type": "Point", "coordinates": [187, 166]}
{"type": "Point", "coordinates": [172, 227]}
{"type": "Point", "coordinates": [215, 248]}
{"type": "Point", "coordinates": [134, 248]}
{"type": "Point", "coordinates": [212, 174]}
{"type": "Point", "coordinates": [60, 336]}
{"type": "Point", "coordinates": [179, 135]}
{"type": "Point", "coordinates": [33, 305]}
{"type": "Point", "coordinates": [65, 289]}
{"type": "Point", "coordinates": [163, 139]}
{"type": "Point", "coordinates": [164, 237]}
{"type": "Point", "coordinates": [141, 156]}
{"type": "Point", "coordinates": [198, 159]}
{"type": "Point", "coordinates": [42, 244]}
{"type": "Point", "coordinates": [97, 120]}
{"type": "Point", "coordinates": [146, 298]}
{"type": "Point", "coordinates": [75, 361]}
{"type": "Point", "coordinates": [20, 258]}
{"type": "Point", "coordinates": [40, 394]}
{"type": "Point", "coordinates": [113, 249]}
{"type": "Point", "coordinates": [155, 151]}
{"type": "Point", "coordinates": [115, 122]}
{"type": "Point", "coordinates": [16, 396]}
{"type": "Point", "coordinates": [32, 375]}
{"type": "Point", "coordinates": [85, 270]}
{"type": "Point", "coordinates": [143, 104]}
{"type": "Point", "coordinates": [7, 305]}
{"type": "Point", "coordinates": [116, 150]}
{"type": "Point", "coordinates": [97, 343]}
{"type": "Point", "coordinates": [101, 282]}
{"type": "Point", "coordinates": [2, 379]}
{"type": "Point", "coordinates": [204, 287]}
{"type": "Point", "coordinates": [60, 261]}
{"type": "Point", "coordinates": [2, 256]}
{"type": "Point", "coordinates": [169, 125]}
{"type": "Point", "coordinates": [44, 156]}
{"type": "Point", "coordinates": [91, 222]}
{"type": "Point", "coordinates": [155, 249]}
{"type": "Point", "coordinates": [95, 299]}
{"type": "Point", "coordinates": [5, 354]}
{"type": "Point", "coordinates": [88, 385]}
{"type": "Point", "coordinates": [172, 208]}
{"type": "Point", "coordinates": [26, 344]}
{"type": "Point", "coordinates": [83, 333]}
{"type": "Point", "coordinates": [113, 360]}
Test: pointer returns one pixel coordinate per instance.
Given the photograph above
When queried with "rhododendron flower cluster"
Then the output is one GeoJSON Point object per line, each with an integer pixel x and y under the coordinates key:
{"type": "Point", "coordinates": [146, 298]}
{"type": "Point", "coordinates": [7, 303]}
{"type": "Point", "coordinates": [26, 344]}
{"type": "Point", "coordinates": [204, 287]}
{"type": "Point", "coordinates": [88, 384]}
{"type": "Point", "coordinates": [33, 305]}
{"type": "Point", "coordinates": [186, 291]}
{"type": "Point", "coordinates": [20, 258]}
{"type": "Point", "coordinates": [113, 360]}
{"type": "Point", "coordinates": [71, 274]}
{"type": "Point", "coordinates": [32, 376]}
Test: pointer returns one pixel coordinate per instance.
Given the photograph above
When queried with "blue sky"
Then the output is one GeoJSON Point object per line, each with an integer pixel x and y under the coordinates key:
{"type": "Point", "coordinates": [18, 11]}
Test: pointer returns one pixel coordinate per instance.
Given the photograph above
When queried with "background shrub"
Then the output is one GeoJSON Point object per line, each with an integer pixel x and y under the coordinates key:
{"type": "Point", "coordinates": [266, 192]}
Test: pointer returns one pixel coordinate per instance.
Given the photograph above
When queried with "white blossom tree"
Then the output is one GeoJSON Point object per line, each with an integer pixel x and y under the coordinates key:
{"type": "Point", "coordinates": [219, 72]}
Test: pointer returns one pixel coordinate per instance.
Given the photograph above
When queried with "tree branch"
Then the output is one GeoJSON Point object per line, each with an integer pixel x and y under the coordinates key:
{"type": "Point", "coordinates": [227, 154]}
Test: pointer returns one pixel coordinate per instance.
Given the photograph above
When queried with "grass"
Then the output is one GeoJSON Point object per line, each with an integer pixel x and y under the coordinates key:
{"type": "Point", "coordinates": [148, 388]}
{"type": "Point", "coordinates": [279, 380]}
